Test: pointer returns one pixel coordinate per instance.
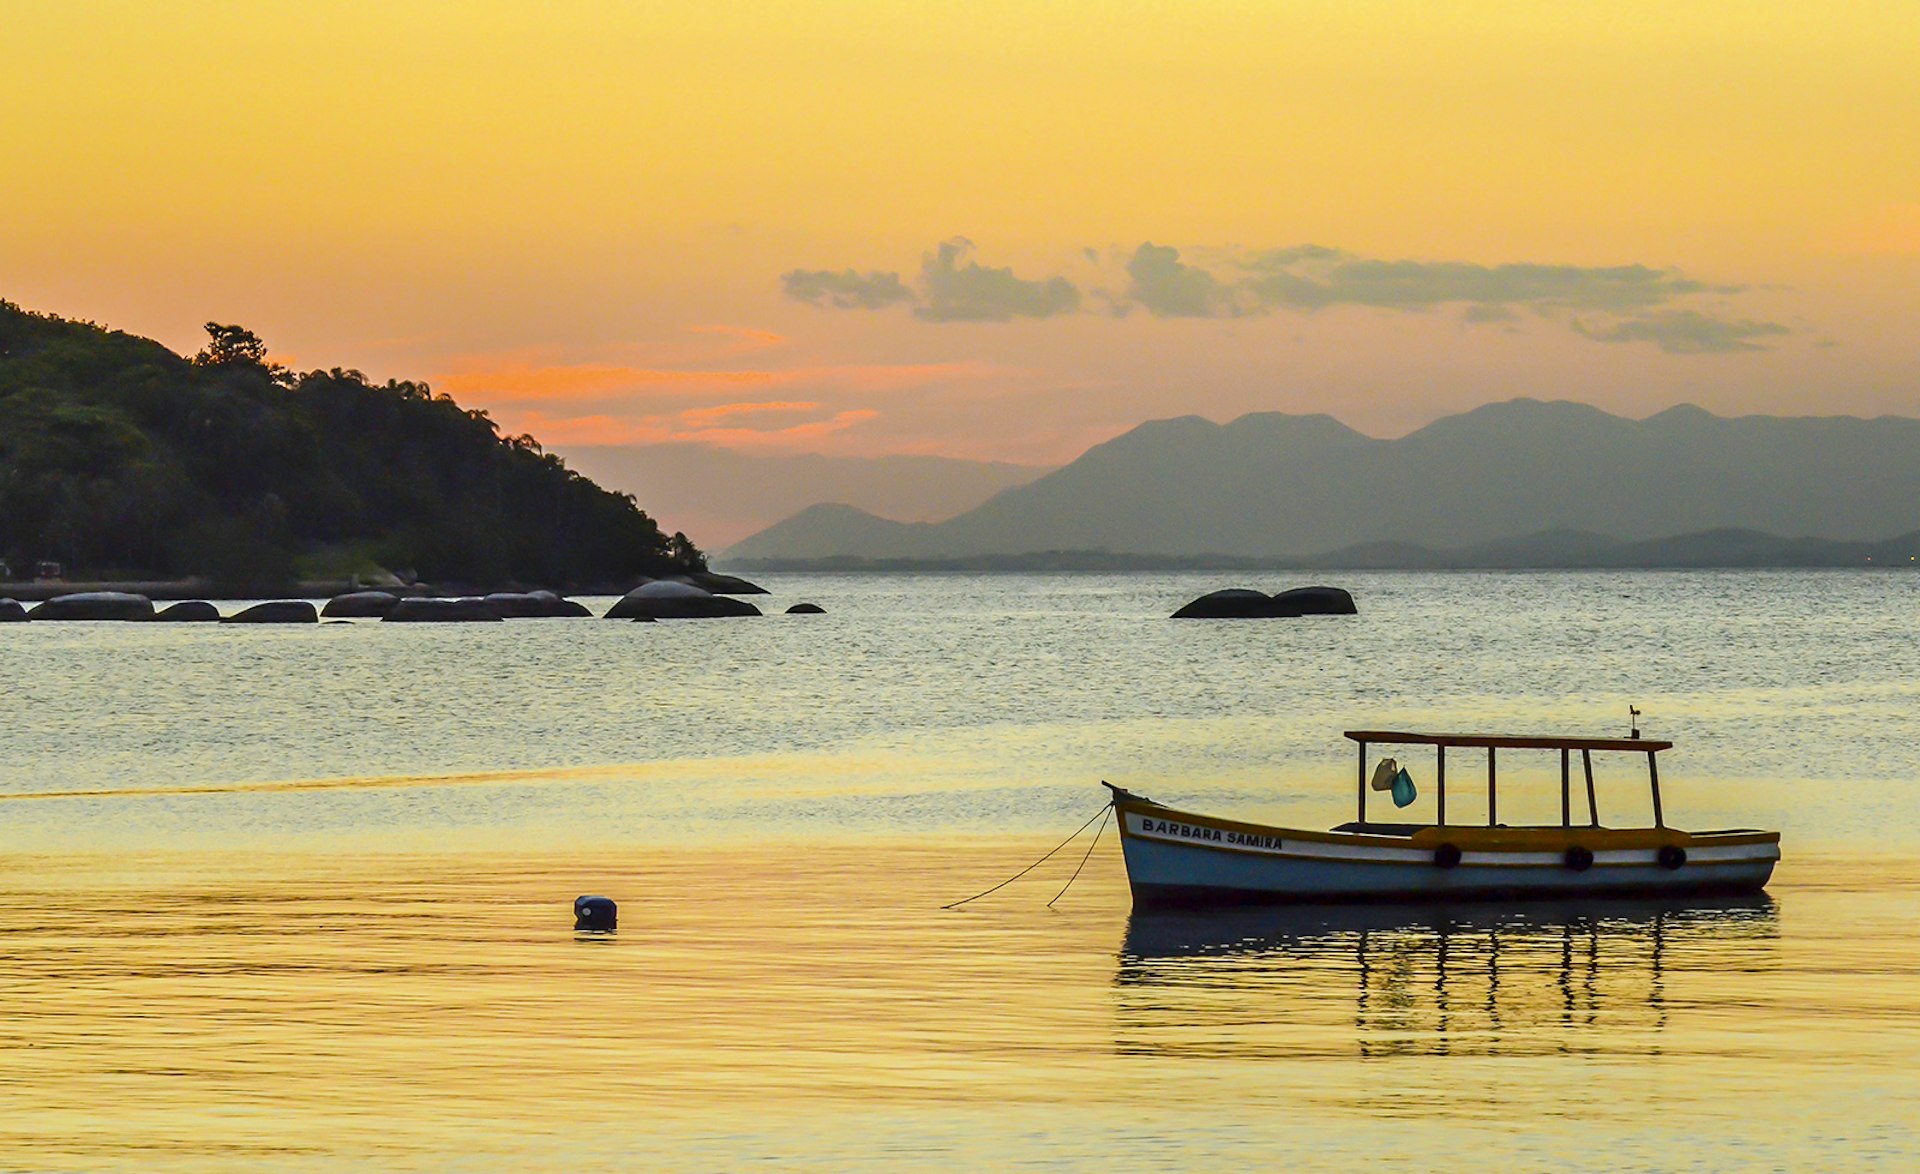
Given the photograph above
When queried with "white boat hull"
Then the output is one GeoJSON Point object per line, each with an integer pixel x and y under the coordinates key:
{"type": "Point", "coordinates": [1174, 858]}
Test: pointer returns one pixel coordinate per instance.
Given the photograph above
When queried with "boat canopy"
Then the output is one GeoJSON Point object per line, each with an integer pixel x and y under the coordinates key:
{"type": "Point", "coordinates": [1492, 743]}
{"type": "Point", "coordinates": [1508, 741]}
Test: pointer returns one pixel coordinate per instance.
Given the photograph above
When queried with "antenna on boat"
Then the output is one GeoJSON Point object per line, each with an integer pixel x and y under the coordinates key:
{"type": "Point", "coordinates": [1633, 721]}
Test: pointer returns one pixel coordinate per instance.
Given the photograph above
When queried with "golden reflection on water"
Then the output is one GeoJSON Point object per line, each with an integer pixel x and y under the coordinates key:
{"type": "Point", "coordinates": [1568, 978]}
{"type": "Point", "coordinates": [809, 1003]}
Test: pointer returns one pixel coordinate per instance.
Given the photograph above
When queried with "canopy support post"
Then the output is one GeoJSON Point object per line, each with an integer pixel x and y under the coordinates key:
{"type": "Point", "coordinates": [1363, 784]}
{"type": "Point", "coordinates": [1566, 793]}
{"type": "Point", "coordinates": [1492, 801]}
{"type": "Point", "coordinates": [1653, 775]}
{"type": "Point", "coordinates": [1593, 806]}
{"type": "Point", "coordinates": [1440, 784]}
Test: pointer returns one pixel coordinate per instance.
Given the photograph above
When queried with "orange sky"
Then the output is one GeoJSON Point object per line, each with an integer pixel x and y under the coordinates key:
{"type": "Point", "coordinates": [633, 223]}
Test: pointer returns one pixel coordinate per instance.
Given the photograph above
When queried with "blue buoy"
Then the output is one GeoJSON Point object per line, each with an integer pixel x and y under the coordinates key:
{"type": "Point", "coordinates": [595, 913]}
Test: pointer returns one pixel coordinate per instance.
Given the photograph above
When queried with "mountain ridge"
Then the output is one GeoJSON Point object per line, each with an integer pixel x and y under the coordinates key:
{"type": "Point", "coordinates": [1271, 485]}
{"type": "Point", "coordinates": [727, 494]}
{"type": "Point", "coordinates": [1724, 549]}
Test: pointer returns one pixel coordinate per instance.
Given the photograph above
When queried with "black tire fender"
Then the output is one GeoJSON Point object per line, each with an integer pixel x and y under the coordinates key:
{"type": "Point", "coordinates": [1578, 859]}
{"type": "Point", "coordinates": [1671, 856]}
{"type": "Point", "coordinates": [1446, 856]}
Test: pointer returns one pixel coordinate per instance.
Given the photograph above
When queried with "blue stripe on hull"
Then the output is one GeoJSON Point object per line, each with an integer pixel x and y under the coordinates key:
{"type": "Point", "coordinates": [1181, 874]}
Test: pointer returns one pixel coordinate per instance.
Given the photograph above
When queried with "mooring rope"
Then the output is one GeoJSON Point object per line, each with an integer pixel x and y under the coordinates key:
{"type": "Point", "coordinates": [1083, 860]}
{"type": "Point", "coordinates": [1101, 814]}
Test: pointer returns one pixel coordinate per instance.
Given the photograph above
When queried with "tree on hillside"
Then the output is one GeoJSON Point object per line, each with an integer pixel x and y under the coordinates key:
{"type": "Point", "coordinates": [236, 346]}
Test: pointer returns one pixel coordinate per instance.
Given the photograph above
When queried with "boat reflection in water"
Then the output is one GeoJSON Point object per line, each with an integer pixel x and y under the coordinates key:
{"type": "Point", "coordinates": [1600, 977]}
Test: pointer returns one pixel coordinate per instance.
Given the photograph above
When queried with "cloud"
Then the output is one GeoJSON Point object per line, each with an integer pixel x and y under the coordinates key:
{"type": "Point", "coordinates": [596, 399]}
{"type": "Point", "coordinates": [1273, 260]}
{"type": "Point", "coordinates": [745, 339]}
{"type": "Point", "coordinates": [1313, 281]}
{"type": "Point", "coordinates": [1482, 312]}
{"type": "Point", "coordinates": [684, 427]}
{"type": "Point", "coordinates": [948, 291]}
{"type": "Point", "coordinates": [1687, 332]}
{"type": "Point", "coordinates": [515, 380]}
{"type": "Point", "coordinates": [1170, 288]}
{"type": "Point", "coordinates": [846, 290]}
{"type": "Point", "coordinates": [710, 416]}
{"type": "Point", "coordinates": [975, 293]}
{"type": "Point", "coordinates": [521, 382]}
{"type": "Point", "coordinates": [1631, 303]}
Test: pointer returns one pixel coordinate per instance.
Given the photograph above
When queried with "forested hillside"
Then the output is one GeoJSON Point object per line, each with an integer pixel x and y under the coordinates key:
{"type": "Point", "coordinates": [121, 459]}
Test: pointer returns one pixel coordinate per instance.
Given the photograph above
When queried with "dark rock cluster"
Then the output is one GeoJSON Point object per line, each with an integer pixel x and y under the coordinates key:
{"type": "Point", "coordinates": [672, 599]}
{"type": "Point", "coordinates": [1238, 603]}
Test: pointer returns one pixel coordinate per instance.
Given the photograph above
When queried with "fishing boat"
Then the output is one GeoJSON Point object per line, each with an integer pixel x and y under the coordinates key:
{"type": "Point", "coordinates": [1176, 857]}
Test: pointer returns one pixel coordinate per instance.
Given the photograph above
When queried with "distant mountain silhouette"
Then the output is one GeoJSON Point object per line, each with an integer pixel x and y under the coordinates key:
{"type": "Point", "coordinates": [725, 494]}
{"type": "Point", "coordinates": [1559, 478]}
{"type": "Point", "coordinates": [1548, 550]}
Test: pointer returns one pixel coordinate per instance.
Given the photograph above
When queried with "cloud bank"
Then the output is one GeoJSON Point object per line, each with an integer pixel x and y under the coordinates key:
{"type": "Point", "coordinates": [1604, 303]}
{"type": "Point", "coordinates": [1328, 278]}
{"type": "Point", "coordinates": [949, 291]}
{"type": "Point", "coordinates": [846, 290]}
{"type": "Point", "coordinates": [1687, 332]}
{"type": "Point", "coordinates": [1170, 288]}
{"type": "Point", "coordinates": [693, 388]}
{"type": "Point", "coordinates": [974, 293]}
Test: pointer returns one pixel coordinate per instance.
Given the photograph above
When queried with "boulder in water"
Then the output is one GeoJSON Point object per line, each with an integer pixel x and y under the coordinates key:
{"type": "Point", "coordinates": [668, 599]}
{"type": "Point", "coordinates": [534, 605]}
{"type": "Point", "coordinates": [1314, 601]}
{"type": "Point", "coordinates": [11, 612]}
{"type": "Point", "coordinates": [711, 582]}
{"type": "Point", "coordinates": [1238, 603]}
{"type": "Point", "coordinates": [515, 605]}
{"type": "Point", "coordinates": [719, 584]}
{"type": "Point", "coordinates": [442, 611]}
{"type": "Point", "coordinates": [558, 607]}
{"type": "Point", "coordinates": [360, 605]}
{"type": "Point", "coordinates": [189, 611]}
{"type": "Point", "coordinates": [1233, 603]}
{"type": "Point", "coordinates": [806, 609]}
{"type": "Point", "coordinates": [279, 611]}
{"type": "Point", "coordinates": [94, 605]}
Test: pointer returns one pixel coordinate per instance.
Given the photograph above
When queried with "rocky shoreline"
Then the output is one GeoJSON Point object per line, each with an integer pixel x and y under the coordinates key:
{"type": "Point", "coordinates": [37, 591]}
{"type": "Point", "coordinates": [696, 595]}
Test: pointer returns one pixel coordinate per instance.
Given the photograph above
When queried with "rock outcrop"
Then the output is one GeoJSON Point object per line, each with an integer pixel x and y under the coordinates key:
{"type": "Point", "coordinates": [806, 609]}
{"type": "Point", "coordinates": [719, 584]}
{"type": "Point", "coordinates": [442, 611]}
{"type": "Point", "coordinates": [1238, 603]}
{"type": "Point", "coordinates": [360, 605]}
{"type": "Point", "coordinates": [95, 605]}
{"type": "Point", "coordinates": [189, 611]}
{"type": "Point", "coordinates": [667, 599]}
{"type": "Point", "coordinates": [11, 612]}
{"type": "Point", "coordinates": [533, 605]}
{"type": "Point", "coordinates": [1314, 601]}
{"type": "Point", "coordinates": [711, 582]}
{"type": "Point", "coordinates": [1233, 603]}
{"type": "Point", "coordinates": [279, 611]}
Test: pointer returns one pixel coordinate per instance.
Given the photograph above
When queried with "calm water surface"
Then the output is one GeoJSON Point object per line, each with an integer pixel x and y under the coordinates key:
{"type": "Point", "coordinates": [301, 896]}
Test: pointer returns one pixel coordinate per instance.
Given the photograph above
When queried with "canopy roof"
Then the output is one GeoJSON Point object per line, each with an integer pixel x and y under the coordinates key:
{"type": "Point", "coordinates": [1508, 741]}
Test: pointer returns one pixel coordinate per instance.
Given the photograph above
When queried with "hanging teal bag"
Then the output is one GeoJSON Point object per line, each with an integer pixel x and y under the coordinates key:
{"type": "Point", "coordinates": [1403, 792]}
